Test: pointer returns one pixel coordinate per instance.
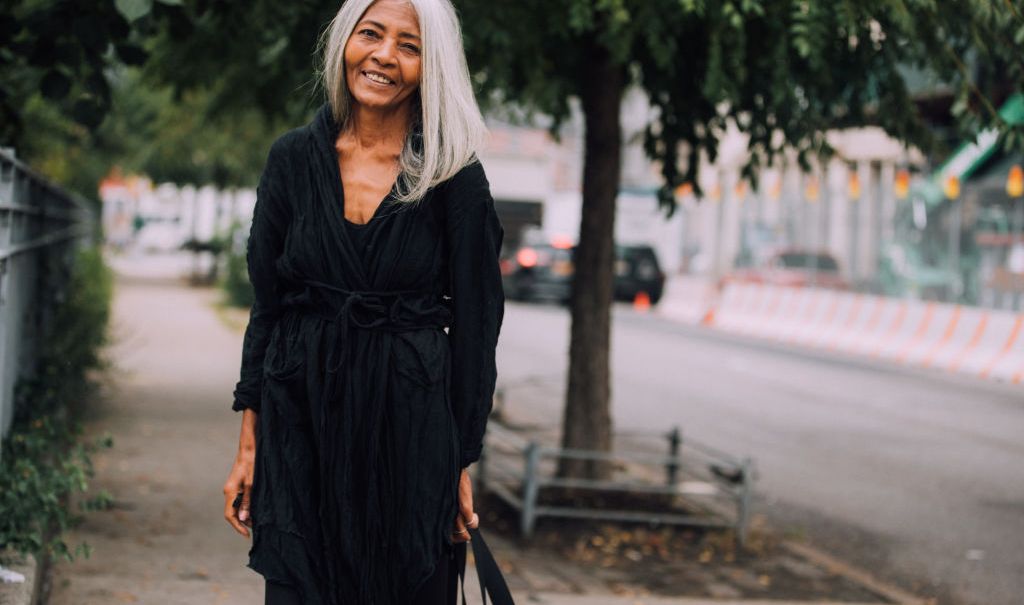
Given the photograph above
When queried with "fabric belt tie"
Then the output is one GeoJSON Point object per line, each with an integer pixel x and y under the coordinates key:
{"type": "Point", "coordinates": [352, 307]}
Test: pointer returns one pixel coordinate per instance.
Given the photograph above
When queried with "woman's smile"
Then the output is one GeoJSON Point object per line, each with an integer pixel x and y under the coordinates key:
{"type": "Point", "coordinates": [378, 78]}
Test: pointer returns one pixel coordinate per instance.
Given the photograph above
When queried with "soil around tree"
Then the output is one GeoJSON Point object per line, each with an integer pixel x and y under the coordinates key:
{"type": "Point", "coordinates": [641, 559]}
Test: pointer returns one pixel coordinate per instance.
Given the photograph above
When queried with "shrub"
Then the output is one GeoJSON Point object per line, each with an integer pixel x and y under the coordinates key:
{"type": "Point", "coordinates": [44, 459]}
{"type": "Point", "coordinates": [237, 288]}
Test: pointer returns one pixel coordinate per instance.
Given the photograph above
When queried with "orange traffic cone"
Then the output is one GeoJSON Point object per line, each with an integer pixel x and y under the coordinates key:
{"type": "Point", "coordinates": [642, 301]}
{"type": "Point", "coordinates": [709, 317]}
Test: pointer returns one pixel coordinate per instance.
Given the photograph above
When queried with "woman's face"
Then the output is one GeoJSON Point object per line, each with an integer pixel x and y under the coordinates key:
{"type": "Point", "coordinates": [382, 56]}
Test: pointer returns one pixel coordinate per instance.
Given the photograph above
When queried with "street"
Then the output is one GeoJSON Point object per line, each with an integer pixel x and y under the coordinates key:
{"type": "Point", "coordinates": [916, 478]}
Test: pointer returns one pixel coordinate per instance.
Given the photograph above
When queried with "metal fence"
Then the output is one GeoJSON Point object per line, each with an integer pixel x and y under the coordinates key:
{"type": "Point", "coordinates": [41, 226]}
{"type": "Point", "coordinates": [711, 488]}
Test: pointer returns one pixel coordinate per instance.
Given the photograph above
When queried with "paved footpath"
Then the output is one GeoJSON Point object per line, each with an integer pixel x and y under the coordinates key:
{"type": "Point", "coordinates": [175, 436]}
{"type": "Point", "coordinates": [167, 407]}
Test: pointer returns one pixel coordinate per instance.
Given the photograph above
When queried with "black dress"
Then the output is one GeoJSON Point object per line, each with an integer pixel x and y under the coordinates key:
{"type": "Point", "coordinates": [368, 408]}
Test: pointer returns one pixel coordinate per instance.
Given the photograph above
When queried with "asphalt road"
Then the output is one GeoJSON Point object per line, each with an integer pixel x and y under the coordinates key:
{"type": "Point", "coordinates": [916, 476]}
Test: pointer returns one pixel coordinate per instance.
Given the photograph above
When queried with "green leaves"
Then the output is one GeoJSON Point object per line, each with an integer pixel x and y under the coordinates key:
{"type": "Point", "coordinates": [55, 85]}
{"type": "Point", "coordinates": [133, 9]}
{"type": "Point", "coordinates": [44, 459]}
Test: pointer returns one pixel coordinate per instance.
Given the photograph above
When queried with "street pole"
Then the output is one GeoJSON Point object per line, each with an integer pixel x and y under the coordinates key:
{"type": "Point", "coordinates": [716, 261]}
{"type": "Point", "coordinates": [877, 244]}
{"type": "Point", "coordinates": [1018, 240]}
{"type": "Point", "coordinates": [743, 210]}
{"type": "Point", "coordinates": [952, 191]}
{"type": "Point", "coordinates": [901, 191]}
{"type": "Point", "coordinates": [811, 194]}
{"type": "Point", "coordinates": [1015, 189]}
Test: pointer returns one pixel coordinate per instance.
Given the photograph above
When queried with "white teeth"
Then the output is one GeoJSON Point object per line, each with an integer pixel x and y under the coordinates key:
{"type": "Point", "coordinates": [377, 78]}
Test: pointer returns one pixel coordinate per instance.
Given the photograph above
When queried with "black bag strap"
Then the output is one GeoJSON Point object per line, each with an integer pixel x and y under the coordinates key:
{"type": "Point", "coordinates": [487, 570]}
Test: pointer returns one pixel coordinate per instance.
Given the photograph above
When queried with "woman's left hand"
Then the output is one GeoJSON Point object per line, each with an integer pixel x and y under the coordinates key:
{"type": "Point", "coordinates": [466, 519]}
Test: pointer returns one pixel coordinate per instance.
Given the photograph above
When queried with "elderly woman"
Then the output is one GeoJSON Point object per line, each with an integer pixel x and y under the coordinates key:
{"type": "Point", "coordinates": [374, 230]}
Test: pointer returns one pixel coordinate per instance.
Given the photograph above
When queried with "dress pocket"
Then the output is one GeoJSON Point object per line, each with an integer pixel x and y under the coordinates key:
{"type": "Point", "coordinates": [420, 355]}
{"type": "Point", "coordinates": [284, 357]}
{"type": "Point", "coordinates": [283, 377]}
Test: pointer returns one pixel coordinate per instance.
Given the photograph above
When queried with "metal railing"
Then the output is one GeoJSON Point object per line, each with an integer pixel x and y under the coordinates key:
{"type": "Point", "coordinates": [40, 227]}
{"type": "Point", "coordinates": [713, 488]}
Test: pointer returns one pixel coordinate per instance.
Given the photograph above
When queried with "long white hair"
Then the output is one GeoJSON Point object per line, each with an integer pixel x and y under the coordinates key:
{"type": "Point", "coordinates": [449, 125]}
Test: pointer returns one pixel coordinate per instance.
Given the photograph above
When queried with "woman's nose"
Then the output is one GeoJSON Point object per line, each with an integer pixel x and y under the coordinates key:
{"type": "Point", "coordinates": [385, 52]}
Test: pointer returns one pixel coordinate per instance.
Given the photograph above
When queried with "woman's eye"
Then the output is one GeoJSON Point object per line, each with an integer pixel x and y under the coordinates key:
{"type": "Point", "coordinates": [368, 32]}
{"type": "Point", "coordinates": [411, 48]}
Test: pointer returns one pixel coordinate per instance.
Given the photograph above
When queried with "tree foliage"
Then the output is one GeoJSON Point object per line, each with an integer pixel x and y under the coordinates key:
{"type": "Point", "coordinates": [59, 50]}
{"type": "Point", "coordinates": [784, 71]}
{"type": "Point", "coordinates": [73, 105]}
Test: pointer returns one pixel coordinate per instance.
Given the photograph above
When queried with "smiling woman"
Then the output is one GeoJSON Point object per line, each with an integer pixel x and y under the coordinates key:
{"type": "Point", "coordinates": [374, 230]}
{"type": "Point", "coordinates": [382, 58]}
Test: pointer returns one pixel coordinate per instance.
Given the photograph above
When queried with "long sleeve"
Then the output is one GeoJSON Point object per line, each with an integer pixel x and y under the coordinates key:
{"type": "Point", "coordinates": [266, 239]}
{"type": "Point", "coordinates": [474, 235]}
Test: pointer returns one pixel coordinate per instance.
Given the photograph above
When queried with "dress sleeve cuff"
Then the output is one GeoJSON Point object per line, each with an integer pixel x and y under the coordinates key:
{"type": "Point", "coordinates": [240, 405]}
{"type": "Point", "coordinates": [470, 456]}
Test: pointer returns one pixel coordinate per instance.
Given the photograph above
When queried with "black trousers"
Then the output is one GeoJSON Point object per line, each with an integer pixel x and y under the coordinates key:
{"type": "Point", "coordinates": [441, 588]}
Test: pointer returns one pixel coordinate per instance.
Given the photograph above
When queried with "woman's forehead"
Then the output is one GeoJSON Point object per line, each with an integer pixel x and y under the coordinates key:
{"type": "Point", "coordinates": [393, 14]}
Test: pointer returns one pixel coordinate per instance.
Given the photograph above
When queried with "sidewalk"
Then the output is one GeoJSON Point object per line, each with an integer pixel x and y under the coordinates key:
{"type": "Point", "coordinates": [168, 408]}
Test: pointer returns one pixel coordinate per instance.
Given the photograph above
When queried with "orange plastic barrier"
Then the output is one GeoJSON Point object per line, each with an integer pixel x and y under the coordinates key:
{"type": "Point", "coordinates": [980, 342]}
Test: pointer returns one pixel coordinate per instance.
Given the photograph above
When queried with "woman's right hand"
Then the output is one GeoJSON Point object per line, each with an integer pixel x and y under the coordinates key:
{"type": "Point", "coordinates": [240, 478]}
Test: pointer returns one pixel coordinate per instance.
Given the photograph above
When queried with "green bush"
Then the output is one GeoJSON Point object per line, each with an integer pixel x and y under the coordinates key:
{"type": "Point", "coordinates": [44, 459]}
{"type": "Point", "coordinates": [237, 288]}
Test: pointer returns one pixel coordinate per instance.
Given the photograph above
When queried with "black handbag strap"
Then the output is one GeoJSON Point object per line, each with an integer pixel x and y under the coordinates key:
{"type": "Point", "coordinates": [487, 570]}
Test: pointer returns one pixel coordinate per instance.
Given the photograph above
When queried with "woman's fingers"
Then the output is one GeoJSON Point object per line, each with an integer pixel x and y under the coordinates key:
{"type": "Point", "coordinates": [460, 533]}
{"type": "Point", "coordinates": [243, 509]}
{"type": "Point", "coordinates": [465, 497]}
{"type": "Point", "coordinates": [466, 519]}
{"type": "Point", "coordinates": [236, 494]}
{"type": "Point", "coordinates": [230, 512]}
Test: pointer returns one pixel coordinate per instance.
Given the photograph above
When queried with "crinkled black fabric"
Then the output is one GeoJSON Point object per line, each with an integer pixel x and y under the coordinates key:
{"type": "Point", "coordinates": [368, 407]}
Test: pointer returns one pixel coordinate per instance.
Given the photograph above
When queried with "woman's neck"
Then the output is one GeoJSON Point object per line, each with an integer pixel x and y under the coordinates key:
{"type": "Point", "coordinates": [376, 131]}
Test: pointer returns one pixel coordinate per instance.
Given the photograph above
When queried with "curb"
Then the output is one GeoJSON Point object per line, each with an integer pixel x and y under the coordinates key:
{"type": "Point", "coordinates": [854, 574]}
{"type": "Point", "coordinates": [21, 593]}
{"type": "Point", "coordinates": [561, 599]}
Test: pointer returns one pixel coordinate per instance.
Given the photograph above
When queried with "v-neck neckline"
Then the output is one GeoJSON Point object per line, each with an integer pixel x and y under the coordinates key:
{"type": "Point", "coordinates": [376, 211]}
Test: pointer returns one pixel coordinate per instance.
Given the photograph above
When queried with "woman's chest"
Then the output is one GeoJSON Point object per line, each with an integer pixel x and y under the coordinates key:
{"type": "Point", "coordinates": [401, 247]}
{"type": "Point", "coordinates": [365, 184]}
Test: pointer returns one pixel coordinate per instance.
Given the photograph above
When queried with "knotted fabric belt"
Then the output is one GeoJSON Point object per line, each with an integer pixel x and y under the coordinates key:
{"type": "Point", "coordinates": [388, 310]}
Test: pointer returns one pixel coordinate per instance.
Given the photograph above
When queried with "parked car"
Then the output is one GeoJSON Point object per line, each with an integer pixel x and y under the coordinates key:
{"type": "Point", "coordinates": [792, 267]}
{"type": "Point", "coordinates": [538, 271]}
{"type": "Point", "coordinates": [637, 270]}
{"type": "Point", "coordinates": [544, 271]}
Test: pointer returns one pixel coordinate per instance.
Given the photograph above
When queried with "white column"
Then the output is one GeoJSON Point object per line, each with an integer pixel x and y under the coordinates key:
{"type": "Point", "coordinates": [731, 217]}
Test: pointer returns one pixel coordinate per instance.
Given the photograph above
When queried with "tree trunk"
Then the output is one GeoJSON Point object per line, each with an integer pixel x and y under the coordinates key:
{"type": "Point", "coordinates": [587, 422]}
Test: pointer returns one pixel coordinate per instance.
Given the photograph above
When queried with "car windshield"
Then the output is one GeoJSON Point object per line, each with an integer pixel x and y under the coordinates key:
{"type": "Point", "coordinates": [804, 260]}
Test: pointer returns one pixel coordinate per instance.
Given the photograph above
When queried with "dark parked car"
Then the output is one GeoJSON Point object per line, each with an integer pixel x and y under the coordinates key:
{"type": "Point", "coordinates": [543, 271]}
{"type": "Point", "coordinates": [637, 270]}
{"type": "Point", "coordinates": [539, 271]}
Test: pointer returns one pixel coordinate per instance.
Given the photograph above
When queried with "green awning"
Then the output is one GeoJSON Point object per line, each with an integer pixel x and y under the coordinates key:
{"type": "Point", "coordinates": [970, 156]}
